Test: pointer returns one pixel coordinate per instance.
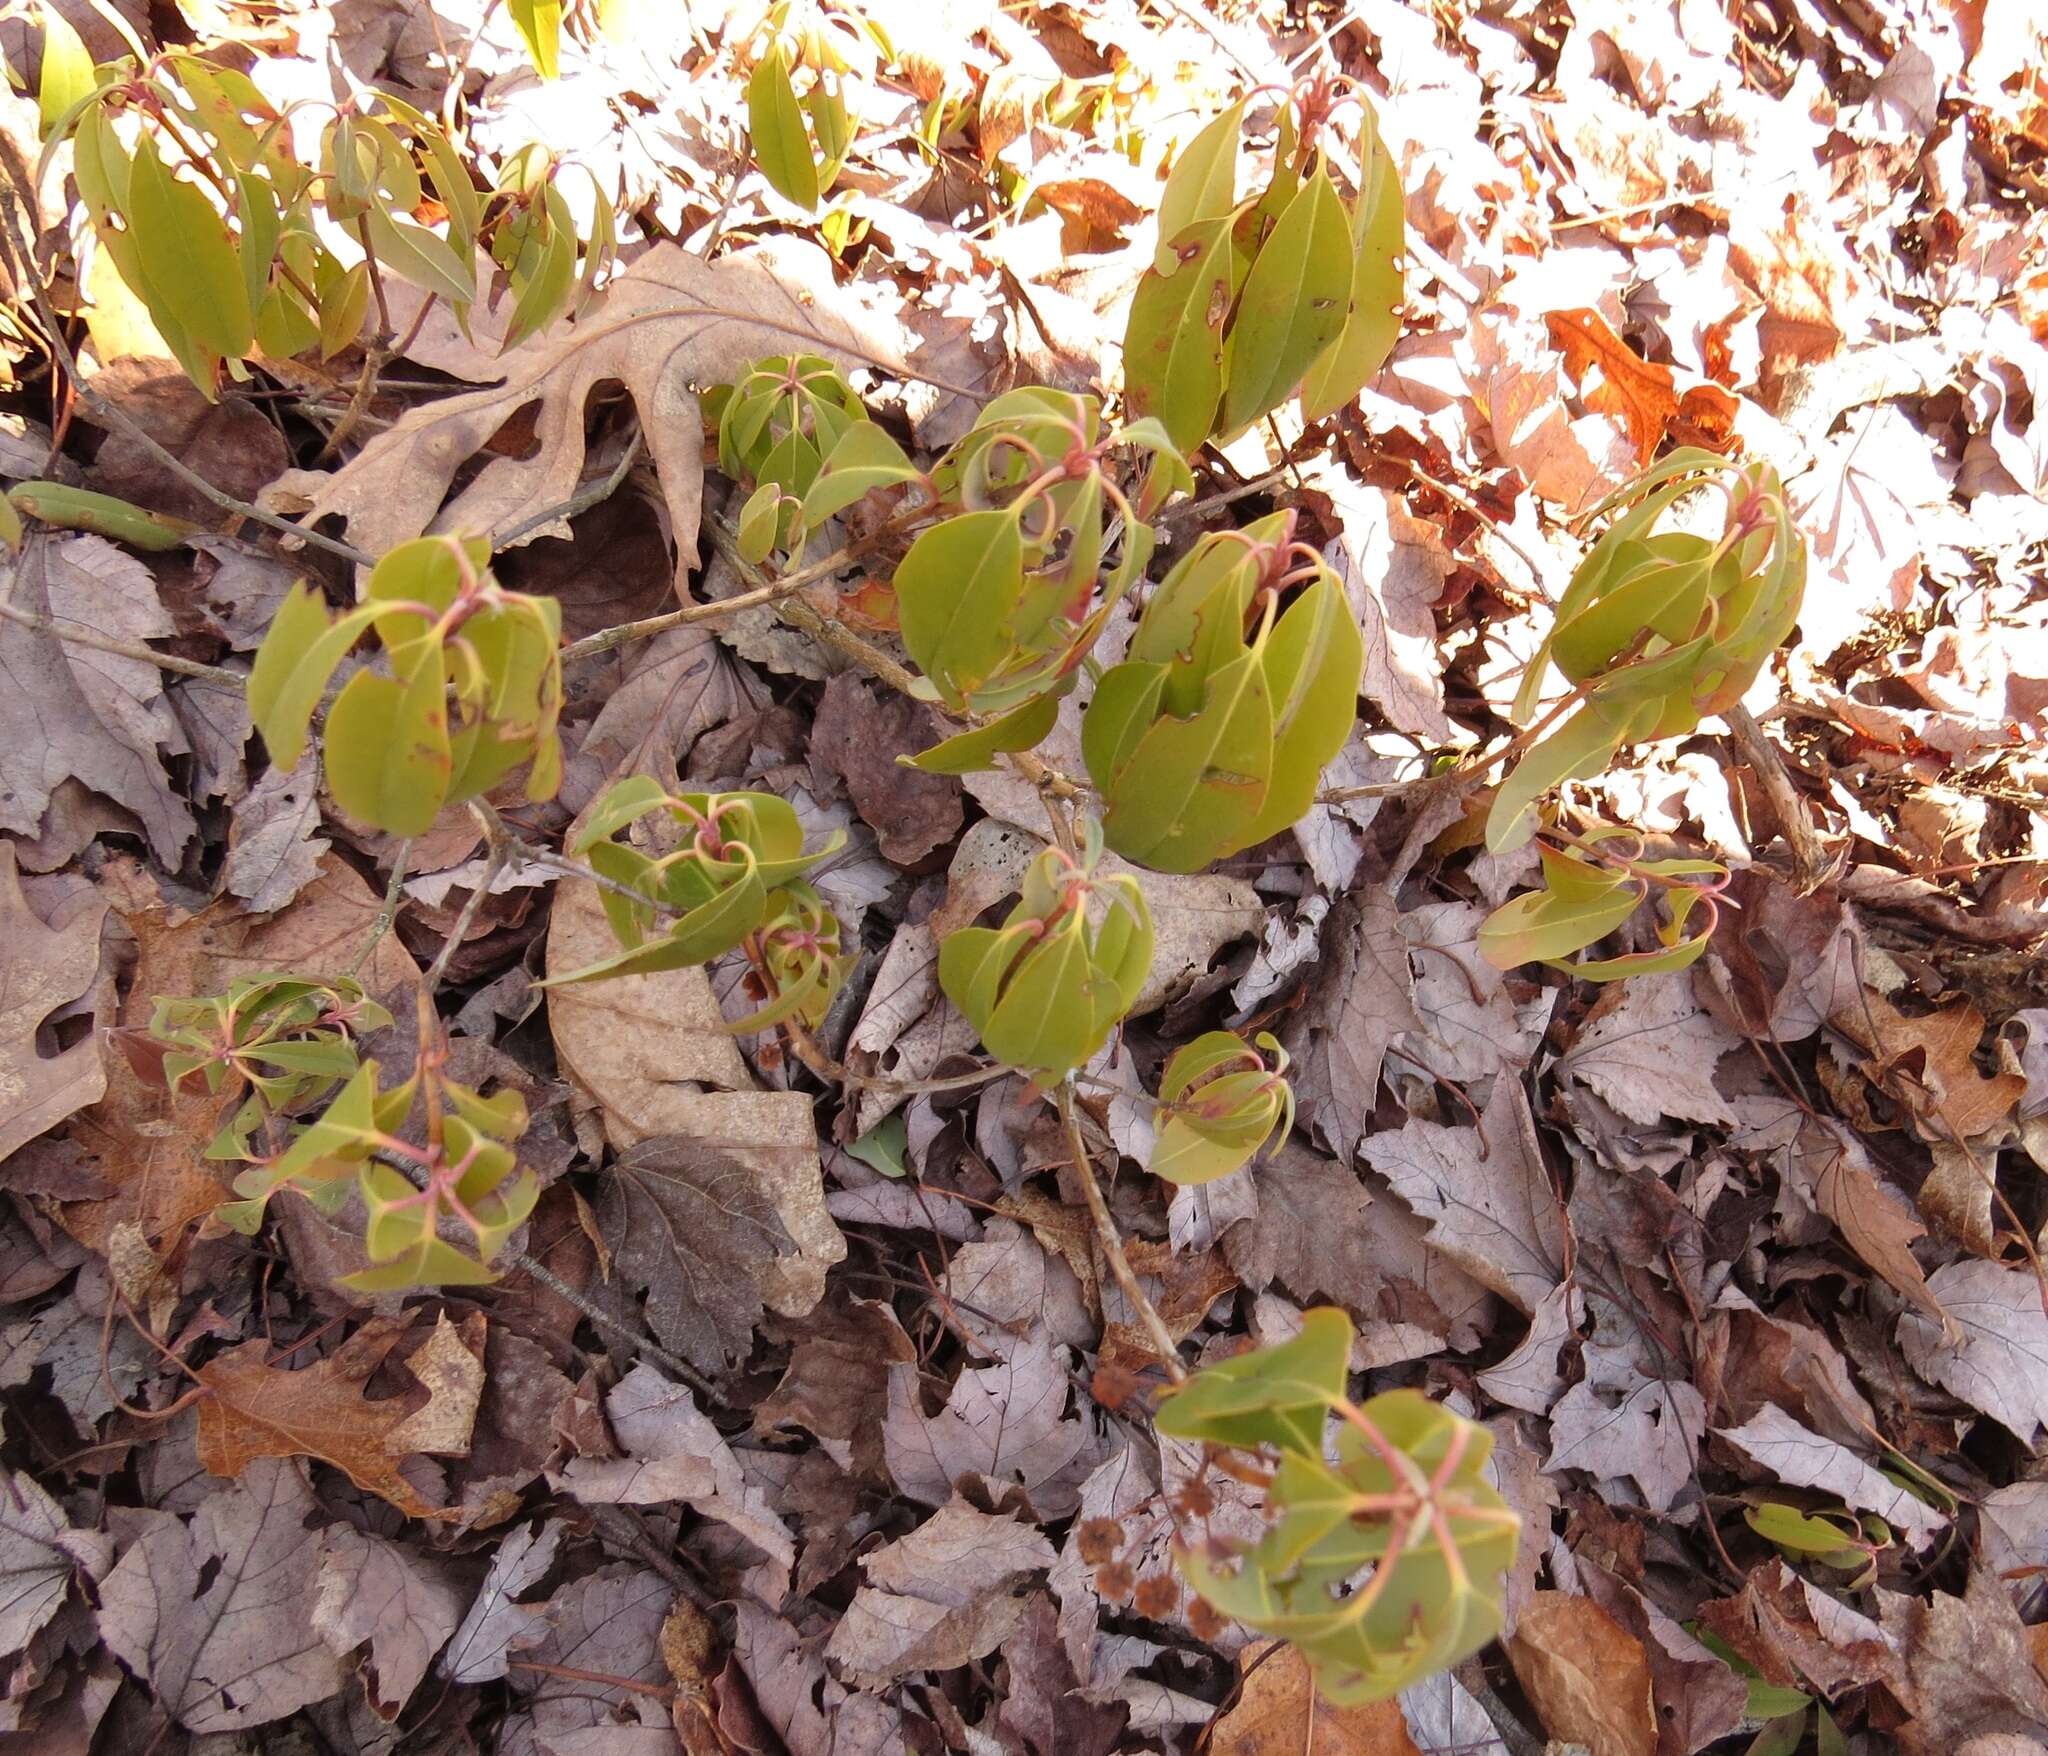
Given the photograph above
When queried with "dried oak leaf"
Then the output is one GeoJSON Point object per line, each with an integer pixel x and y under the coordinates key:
{"type": "Point", "coordinates": [671, 322]}
{"type": "Point", "coordinates": [72, 712]}
{"type": "Point", "coordinates": [256, 1410]}
{"type": "Point", "coordinates": [1930, 1064]}
{"type": "Point", "coordinates": [214, 1614]}
{"type": "Point", "coordinates": [691, 1229]}
{"type": "Point", "coordinates": [43, 968]}
{"type": "Point", "coordinates": [1614, 379]}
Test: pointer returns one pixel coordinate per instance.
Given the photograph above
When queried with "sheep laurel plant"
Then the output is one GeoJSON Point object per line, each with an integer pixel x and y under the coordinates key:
{"type": "Point", "coordinates": [1006, 558]}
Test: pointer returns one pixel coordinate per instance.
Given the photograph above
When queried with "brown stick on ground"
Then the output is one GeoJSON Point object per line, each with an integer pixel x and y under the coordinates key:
{"type": "Point", "coordinates": [1811, 862]}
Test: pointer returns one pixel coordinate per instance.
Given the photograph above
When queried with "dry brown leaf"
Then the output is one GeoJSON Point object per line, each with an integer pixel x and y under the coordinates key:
{"type": "Point", "coordinates": [640, 1051]}
{"type": "Point", "coordinates": [1835, 1171]}
{"type": "Point", "coordinates": [1930, 1064]}
{"type": "Point", "coordinates": [214, 1613]}
{"type": "Point", "coordinates": [255, 1410]}
{"type": "Point", "coordinates": [76, 713]}
{"type": "Point", "coordinates": [42, 969]}
{"type": "Point", "coordinates": [1587, 1676]}
{"type": "Point", "coordinates": [1278, 1714]}
{"type": "Point", "coordinates": [669, 324]}
{"type": "Point", "coordinates": [1613, 378]}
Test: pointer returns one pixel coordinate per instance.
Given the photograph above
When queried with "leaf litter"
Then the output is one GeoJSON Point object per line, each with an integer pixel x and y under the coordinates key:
{"type": "Point", "coordinates": [1709, 1249]}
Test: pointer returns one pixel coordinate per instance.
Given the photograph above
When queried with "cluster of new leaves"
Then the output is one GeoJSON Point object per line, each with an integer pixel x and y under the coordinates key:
{"type": "Point", "coordinates": [201, 206]}
{"type": "Point", "coordinates": [1399, 1489]}
{"type": "Point", "coordinates": [1248, 301]}
{"type": "Point", "coordinates": [1002, 599]}
{"type": "Point", "coordinates": [269, 1047]}
{"type": "Point", "coordinates": [797, 118]}
{"type": "Point", "coordinates": [722, 871]}
{"type": "Point", "coordinates": [1214, 732]}
{"type": "Point", "coordinates": [1045, 989]}
{"type": "Point", "coordinates": [1660, 625]}
{"type": "Point", "coordinates": [1220, 1102]}
{"type": "Point", "coordinates": [1591, 887]}
{"type": "Point", "coordinates": [778, 424]}
{"type": "Point", "coordinates": [459, 1173]}
{"type": "Point", "coordinates": [474, 688]}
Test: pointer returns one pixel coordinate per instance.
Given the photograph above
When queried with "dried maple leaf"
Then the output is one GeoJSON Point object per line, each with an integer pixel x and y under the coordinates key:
{"type": "Point", "coordinates": [671, 322]}
{"type": "Point", "coordinates": [214, 1613]}
{"type": "Point", "coordinates": [41, 969]}
{"type": "Point", "coordinates": [255, 1410]}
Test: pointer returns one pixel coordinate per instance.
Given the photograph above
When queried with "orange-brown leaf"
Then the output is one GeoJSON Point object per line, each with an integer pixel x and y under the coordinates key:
{"type": "Point", "coordinates": [1634, 390]}
{"type": "Point", "coordinates": [260, 1410]}
{"type": "Point", "coordinates": [1587, 1677]}
{"type": "Point", "coordinates": [1277, 1714]}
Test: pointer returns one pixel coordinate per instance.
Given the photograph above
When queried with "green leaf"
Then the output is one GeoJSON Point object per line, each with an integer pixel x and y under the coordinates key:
{"type": "Point", "coordinates": [955, 590]}
{"type": "Point", "coordinates": [1279, 1396]}
{"type": "Point", "coordinates": [1192, 786]}
{"type": "Point", "coordinates": [292, 667]}
{"type": "Point", "coordinates": [539, 23]}
{"type": "Point", "coordinates": [1579, 749]}
{"type": "Point", "coordinates": [187, 258]}
{"type": "Point", "coordinates": [1203, 184]}
{"type": "Point", "coordinates": [68, 76]}
{"type": "Point", "coordinates": [1373, 323]}
{"type": "Point", "coordinates": [1314, 662]}
{"type": "Point", "coordinates": [885, 1147]}
{"type": "Point", "coordinates": [415, 254]}
{"type": "Point", "coordinates": [388, 761]}
{"type": "Point", "coordinates": [863, 457]}
{"type": "Point", "coordinates": [775, 121]}
{"type": "Point", "coordinates": [1295, 302]}
{"type": "Point", "coordinates": [969, 752]}
{"type": "Point", "coordinates": [1174, 333]}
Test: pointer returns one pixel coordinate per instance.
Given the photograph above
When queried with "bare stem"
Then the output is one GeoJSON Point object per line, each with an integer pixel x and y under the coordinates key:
{"type": "Point", "coordinates": [394, 894]}
{"type": "Point", "coordinates": [498, 847]}
{"type": "Point", "coordinates": [77, 634]}
{"type": "Point", "coordinates": [1112, 1245]}
{"type": "Point", "coordinates": [1810, 860]}
{"type": "Point", "coordinates": [581, 501]}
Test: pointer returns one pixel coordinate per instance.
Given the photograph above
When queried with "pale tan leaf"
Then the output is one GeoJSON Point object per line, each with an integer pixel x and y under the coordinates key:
{"type": "Point", "coordinates": [670, 325]}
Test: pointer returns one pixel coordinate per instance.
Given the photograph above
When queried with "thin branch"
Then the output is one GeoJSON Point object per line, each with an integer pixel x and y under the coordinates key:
{"type": "Point", "coordinates": [595, 493]}
{"type": "Point", "coordinates": [394, 894]}
{"type": "Point", "coordinates": [1112, 1245]}
{"type": "Point", "coordinates": [1811, 862]}
{"type": "Point", "coordinates": [26, 278]}
{"type": "Point", "coordinates": [498, 846]}
{"type": "Point", "coordinates": [77, 634]}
